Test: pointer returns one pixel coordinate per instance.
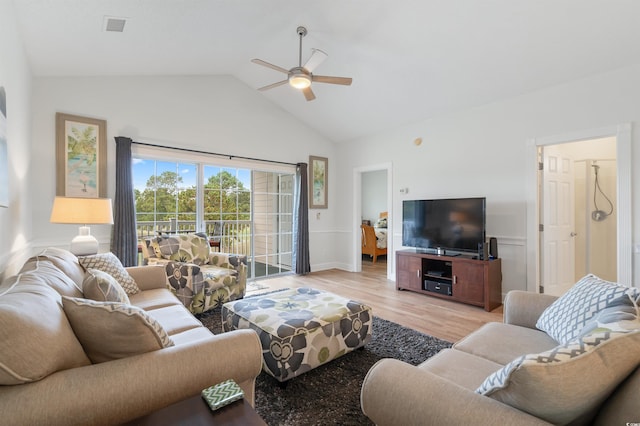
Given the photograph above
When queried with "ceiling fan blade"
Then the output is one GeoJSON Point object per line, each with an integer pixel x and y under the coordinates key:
{"type": "Point", "coordinates": [268, 65]}
{"type": "Point", "coordinates": [346, 81]}
{"type": "Point", "coordinates": [308, 94]}
{"type": "Point", "coordinates": [317, 57]}
{"type": "Point", "coordinates": [271, 86]}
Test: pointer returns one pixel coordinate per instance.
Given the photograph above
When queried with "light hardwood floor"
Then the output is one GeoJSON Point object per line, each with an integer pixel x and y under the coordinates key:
{"type": "Point", "coordinates": [436, 317]}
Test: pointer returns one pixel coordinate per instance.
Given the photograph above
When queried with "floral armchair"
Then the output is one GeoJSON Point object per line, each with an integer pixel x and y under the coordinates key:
{"type": "Point", "coordinates": [200, 278]}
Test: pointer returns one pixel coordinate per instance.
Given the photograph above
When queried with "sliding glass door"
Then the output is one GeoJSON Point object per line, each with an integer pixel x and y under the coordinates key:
{"type": "Point", "coordinates": [240, 210]}
{"type": "Point", "coordinates": [272, 223]}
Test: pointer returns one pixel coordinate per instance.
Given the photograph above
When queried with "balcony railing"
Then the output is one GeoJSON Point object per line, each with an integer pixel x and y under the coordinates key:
{"type": "Point", "coordinates": [234, 236]}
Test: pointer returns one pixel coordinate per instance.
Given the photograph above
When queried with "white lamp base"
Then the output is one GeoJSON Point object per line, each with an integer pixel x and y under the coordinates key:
{"type": "Point", "coordinates": [84, 243]}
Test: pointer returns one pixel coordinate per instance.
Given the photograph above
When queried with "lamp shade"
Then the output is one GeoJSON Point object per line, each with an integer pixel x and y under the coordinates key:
{"type": "Point", "coordinates": [87, 211]}
{"type": "Point", "coordinates": [84, 211]}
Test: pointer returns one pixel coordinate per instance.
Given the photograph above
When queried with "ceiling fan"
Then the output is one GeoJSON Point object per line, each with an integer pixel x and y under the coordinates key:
{"type": "Point", "coordinates": [302, 76]}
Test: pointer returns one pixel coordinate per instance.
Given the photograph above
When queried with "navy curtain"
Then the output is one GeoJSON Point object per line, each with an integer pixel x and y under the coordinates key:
{"type": "Point", "coordinates": [301, 261]}
{"type": "Point", "coordinates": [124, 242]}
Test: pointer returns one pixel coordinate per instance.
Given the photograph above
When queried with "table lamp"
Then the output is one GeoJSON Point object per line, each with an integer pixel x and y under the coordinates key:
{"type": "Point", "coordinates": [83, 211]}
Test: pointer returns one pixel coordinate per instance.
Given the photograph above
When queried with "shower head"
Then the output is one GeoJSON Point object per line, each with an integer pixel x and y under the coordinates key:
{"type": "Point", "coordinates": [599, 215]}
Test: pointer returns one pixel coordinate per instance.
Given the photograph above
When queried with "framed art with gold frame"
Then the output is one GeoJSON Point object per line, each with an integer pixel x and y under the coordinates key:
{"type": "Point", "coordinates": [81, 156]}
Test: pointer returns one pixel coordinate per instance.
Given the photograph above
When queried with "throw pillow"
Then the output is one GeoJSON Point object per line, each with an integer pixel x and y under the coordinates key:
{"type": "Point", "coordinates": [111, 330]}
{"type": "Point", "coordinates": [565, 383]}
{"type": "Point", "coordinates": [620, 315]}
{"type": "Point", "coordinates": [102, 287]}
{"type": "Point", "coordinates": [568, 315]}
{"type": "Point", "coordinates": [109, 263]}
{"type": "Point", "coordinates": [36, 338]}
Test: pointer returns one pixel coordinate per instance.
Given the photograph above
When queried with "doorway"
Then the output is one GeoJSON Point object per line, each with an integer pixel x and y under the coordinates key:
{"type": "Point", "coordinates": [578, 201]}
{"type": "Point", "coordinates": [621, 213]}
{"type": "Point", "coordinates": [364, 179]}
{"type": "Point", "coordinates": [375, 213]}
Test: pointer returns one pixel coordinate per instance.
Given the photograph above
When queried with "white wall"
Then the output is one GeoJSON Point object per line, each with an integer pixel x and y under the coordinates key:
{"type": "Point", "coordinates": [482, 152]}
{"type": "Point", "coordinates": [374, 195]}
{"type": "Point", "coordinates": [15, 77]}
{"type": "Point", "coordinates": [209, 113]}
{"type": "Point", "coordinates": [477, 152]}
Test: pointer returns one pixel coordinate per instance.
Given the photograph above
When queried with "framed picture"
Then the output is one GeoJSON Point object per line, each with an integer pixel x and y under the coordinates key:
{"type": "Point", "coordinates": [81, 156]}
{"type": "Point", "coordinates": [4, 154]}
{"type": "Point", "coordinates": [318, 182]}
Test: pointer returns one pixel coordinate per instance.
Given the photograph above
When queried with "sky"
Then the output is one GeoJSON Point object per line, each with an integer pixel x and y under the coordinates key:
{"type": "Point", "coordinates": [143, 169]}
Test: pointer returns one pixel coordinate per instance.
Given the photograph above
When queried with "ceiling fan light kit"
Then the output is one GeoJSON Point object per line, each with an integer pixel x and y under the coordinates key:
{"type": "Point", "coordinates": [301, 77]}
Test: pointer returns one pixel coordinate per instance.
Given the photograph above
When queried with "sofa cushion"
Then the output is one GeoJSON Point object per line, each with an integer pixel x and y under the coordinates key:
{"type": "Point", "coordinates": [622, 405]}
{"type": "Point", "coordinates": [110, 330]}
{"type": "Point", "coordinates": [66, 261]}
{"type": "Point", "coordinates": [568, 315]}
{"type": "Point", "coordinates": [35, 337]}
{"type": "Point", "coordinates": [102, 287]}
{"type": "Point", "coordinates": [109, 263]}
{"type": "Point", "coordinates": [55, 278]}
{"type": "Point", "coordinates": [174, 319]}
{"type": "Point", "coordinates": [469, 372]}
{"type": "Point", "coordinates": [502, 343]}
{"type": "Point", "coordinates": [567, 382]}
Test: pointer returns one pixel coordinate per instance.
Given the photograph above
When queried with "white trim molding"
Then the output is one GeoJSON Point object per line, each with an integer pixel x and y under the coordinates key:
{"type": "Point", "coordinates": [622, 133]}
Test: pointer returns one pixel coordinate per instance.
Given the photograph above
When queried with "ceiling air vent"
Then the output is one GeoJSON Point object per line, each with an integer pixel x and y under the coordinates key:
{"type": "Point", "coordinates": [113, 24]}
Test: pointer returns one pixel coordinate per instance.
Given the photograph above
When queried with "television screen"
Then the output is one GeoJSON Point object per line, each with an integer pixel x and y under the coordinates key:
{"type": "Point", "coordinates": [454, 224]}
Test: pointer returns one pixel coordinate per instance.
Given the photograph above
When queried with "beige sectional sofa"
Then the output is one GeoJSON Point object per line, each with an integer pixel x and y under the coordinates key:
{"type": "Point", "coordinates": [592, 377]}
{"type": "Point", "coordinates": [63, 361]}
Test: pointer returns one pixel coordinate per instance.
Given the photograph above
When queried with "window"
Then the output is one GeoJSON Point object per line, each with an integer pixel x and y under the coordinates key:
{"type": "Point", "coordinates": [241, 210]}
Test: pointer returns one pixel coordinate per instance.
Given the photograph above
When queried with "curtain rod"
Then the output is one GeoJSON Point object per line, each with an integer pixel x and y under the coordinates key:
{"type": "Point", "coordinates": [230, 157]}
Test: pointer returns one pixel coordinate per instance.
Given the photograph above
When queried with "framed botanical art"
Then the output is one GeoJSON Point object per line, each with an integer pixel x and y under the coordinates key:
{"type": "Point", "coordinates": [318, 182]}
{"type": "Point", "coordinates": [81, 156]}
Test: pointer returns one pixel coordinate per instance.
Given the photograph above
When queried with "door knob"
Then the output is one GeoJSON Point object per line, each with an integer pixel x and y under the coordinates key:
{"type": "Point", "coordinates": [573, 234]}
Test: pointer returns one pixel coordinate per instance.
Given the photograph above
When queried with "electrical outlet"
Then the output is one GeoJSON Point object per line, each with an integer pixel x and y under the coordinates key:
{"type": "Point", "coordinates": [636, 248]}
{"type": "Point", "coordinates": [318, 216]}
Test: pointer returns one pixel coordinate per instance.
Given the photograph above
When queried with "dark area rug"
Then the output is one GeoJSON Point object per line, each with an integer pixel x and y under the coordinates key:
{"type": "Point", "coordinates": [330, 394]}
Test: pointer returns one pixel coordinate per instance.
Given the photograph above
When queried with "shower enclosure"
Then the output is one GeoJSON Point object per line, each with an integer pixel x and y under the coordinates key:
{"type": "Point", "coordinates": [595, 222]}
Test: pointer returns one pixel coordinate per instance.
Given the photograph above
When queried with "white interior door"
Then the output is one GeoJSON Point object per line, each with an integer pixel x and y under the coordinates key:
{"type": "Point", "coordinates": [558, 236]}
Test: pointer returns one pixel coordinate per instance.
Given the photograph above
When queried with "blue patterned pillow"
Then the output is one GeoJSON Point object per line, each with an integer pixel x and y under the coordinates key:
{"type": "Point", "coordinates": [621, 315]}
{"type": "Point", "coordinates": [566, 382]}
{"type": "Point", "coordinates": [567, 316]}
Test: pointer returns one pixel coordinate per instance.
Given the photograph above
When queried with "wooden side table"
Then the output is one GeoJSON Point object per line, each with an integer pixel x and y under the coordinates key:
{"type": "Point", "coordinates": [194, 411]}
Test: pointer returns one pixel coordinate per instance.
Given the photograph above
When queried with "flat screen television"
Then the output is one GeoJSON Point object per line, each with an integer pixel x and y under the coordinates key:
{"type": "Point", "coordinates": [455, 224]}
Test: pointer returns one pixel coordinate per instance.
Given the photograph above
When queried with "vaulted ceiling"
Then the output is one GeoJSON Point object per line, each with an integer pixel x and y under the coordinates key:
{"type": "Point", "coordinates": [410, 60]}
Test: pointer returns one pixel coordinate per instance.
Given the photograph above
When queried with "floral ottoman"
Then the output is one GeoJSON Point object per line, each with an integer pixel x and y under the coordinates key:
{"type": "Point", "coordinates": [300, 329]}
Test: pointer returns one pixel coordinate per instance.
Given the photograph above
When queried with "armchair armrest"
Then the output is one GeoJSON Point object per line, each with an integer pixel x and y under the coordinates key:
{"type": "Point", "coordinates": [118, 391]}
{"type": "Point", "coordinates": [238, 262]}
{"type": "Point", "coordinates": [523, 308]}
{"type": "Point", "coordinates": [227, 260]}
{"type": "Point", "coordinates": [397, 393]}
